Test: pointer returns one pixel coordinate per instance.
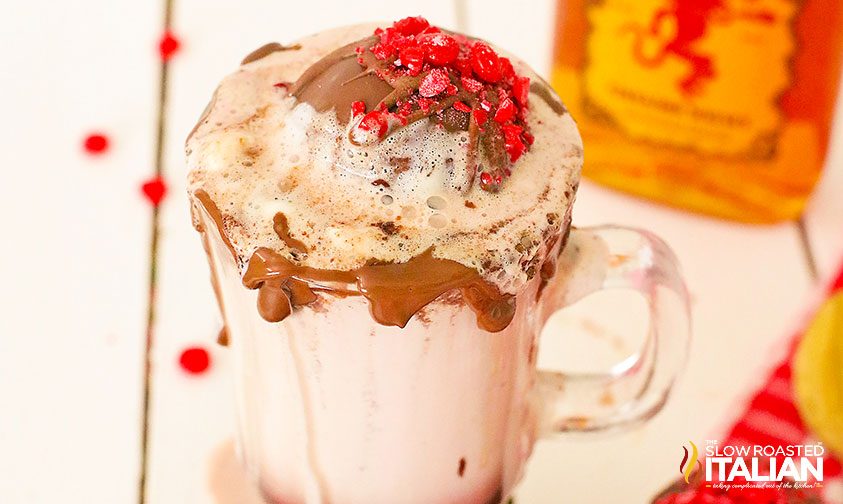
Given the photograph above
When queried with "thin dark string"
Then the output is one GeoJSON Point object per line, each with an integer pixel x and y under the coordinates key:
{"type": "Point", "coordinates": [153, 256]}
{"type": "Point", "coordinates": [807, 250]}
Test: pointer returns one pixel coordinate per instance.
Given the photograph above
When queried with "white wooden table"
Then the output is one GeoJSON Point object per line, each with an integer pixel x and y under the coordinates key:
{"type": "Point", "coordinates": [76, 264]}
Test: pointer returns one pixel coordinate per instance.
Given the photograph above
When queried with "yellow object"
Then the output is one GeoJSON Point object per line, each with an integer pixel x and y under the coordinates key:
{"type": "Point", "coordinates": [718, 106]}
{"type": "Point", "coordinates": [818, 375]}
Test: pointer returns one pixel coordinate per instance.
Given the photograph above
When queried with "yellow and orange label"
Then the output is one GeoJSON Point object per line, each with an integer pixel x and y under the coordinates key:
{"type": "Point", "coordinates": [684, 73]}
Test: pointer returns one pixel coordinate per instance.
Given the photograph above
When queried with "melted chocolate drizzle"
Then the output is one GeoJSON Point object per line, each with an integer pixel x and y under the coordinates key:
{"type": "Point", "coordinates": [267, 49]}
{"type": "Point", "coordinates": [395, 291]}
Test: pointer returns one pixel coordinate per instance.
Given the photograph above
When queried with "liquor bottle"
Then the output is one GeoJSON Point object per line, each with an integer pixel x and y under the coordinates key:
{"type": "Point", "coordinates": [717, 106]}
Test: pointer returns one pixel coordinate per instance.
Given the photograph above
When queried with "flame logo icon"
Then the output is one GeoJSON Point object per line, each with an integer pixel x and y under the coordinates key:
{"type": "Point", "coordinates": [687, 466]}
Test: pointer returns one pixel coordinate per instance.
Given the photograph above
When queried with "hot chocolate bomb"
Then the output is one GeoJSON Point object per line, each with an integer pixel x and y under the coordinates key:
{"type": "Point", "coordinates": [405, 164]}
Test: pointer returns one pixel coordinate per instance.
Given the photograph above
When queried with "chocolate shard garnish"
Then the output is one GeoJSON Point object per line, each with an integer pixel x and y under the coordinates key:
{"type": "Point", "coordinates": [412, 71]}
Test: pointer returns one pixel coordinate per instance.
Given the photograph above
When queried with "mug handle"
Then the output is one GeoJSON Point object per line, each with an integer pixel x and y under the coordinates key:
{"type": "Point", "coordinates": [610, 257]}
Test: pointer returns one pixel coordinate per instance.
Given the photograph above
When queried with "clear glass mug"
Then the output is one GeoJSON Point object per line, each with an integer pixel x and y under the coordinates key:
{"type": "Point", "coordinates": [335, 408]}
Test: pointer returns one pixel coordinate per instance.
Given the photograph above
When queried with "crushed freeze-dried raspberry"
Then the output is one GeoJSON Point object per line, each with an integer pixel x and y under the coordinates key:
{"type": "Point", "coordinates": [480, 116]}
{"type": "Point", "coordinates": [358, 108]}
{"type": "Point", "coordinates": [521, 90]}
{"type": "Point", "coordinates": [411, 25]}
{"type": "Point", "coordinates": [506, 109]}
{"type": "Point", "coordinates": [440, 49]}
{"type": "Point", "coordinates": [512, 141]}
{"type": "Point", "coordinates": [434, 83]}
{"type": "Point", "coordinates": [485, 62]}
{"type": "Point", "coordinates": [375, 121]}
{"type": "Point", "coordinates": [435, 71]}
{"type": "Point", "coordinates": [462, 107]}
{"type": "Point", "coordinates": [412, 57]}
{"type": "Point", "coordinates": [471, 85]}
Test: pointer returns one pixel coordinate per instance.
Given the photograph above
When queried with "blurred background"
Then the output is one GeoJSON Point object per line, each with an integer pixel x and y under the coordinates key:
{"type": "Point", "coordinates": [709, 122]}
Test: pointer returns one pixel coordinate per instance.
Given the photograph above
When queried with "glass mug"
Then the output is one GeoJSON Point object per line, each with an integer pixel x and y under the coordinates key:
{"type": "Point", "coordinates": [333, 407]}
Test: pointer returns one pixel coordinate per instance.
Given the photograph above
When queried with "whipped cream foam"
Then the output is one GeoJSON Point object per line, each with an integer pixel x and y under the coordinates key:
{"type": "Point", "coordinates": [259, 152]}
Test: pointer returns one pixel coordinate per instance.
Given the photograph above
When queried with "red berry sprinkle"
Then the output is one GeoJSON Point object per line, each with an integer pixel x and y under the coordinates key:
{"type": "Point", "coordinates": [480, 116]}
{"type": "Point", "coordinates": [434, 83]}
{"type": "Point", "coordinates": [440, 49]}
{"type": "Point", "coordinates": [521, 90]}
{"type": "Point", "coordinates": [512, 140]}
{"type": "Point", "coordinates": [96, 143]}
{"type": "Point", "coordinates": [425, 104]}
{"type": "Point", "coordinates": [434, 67]}
{"type": "Point", "coordinates": [168, 46]}
{"type": "Point", "coordinates": [154, 190]}
{"type": "Point", "coordinates": [375, 121]}
{"type": "Point", "coordinates": [195, 360]}
{"type": "Point", "coordinates": [357, 108]}
{"type": "Point", "coordinates": [506, 109]}
{"type": "Point", "coordinates": [507, 72]}
{"type": "Point", "coordinates": [485, 62]}
{"type": "Point", "coordinates": [471, 85]}
{"type": "Point", "coordinates": [462, 107]}
{"type": "Point", "coordinates": [412, 57]}
{"type": "Point", "coordinates": [411, 25]}
{"type": "Point", "coordinates": [281, 85]}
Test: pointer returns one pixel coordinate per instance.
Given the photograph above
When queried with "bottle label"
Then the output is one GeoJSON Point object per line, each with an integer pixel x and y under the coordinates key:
{"type": "Point", "coordinates": [705, 75]}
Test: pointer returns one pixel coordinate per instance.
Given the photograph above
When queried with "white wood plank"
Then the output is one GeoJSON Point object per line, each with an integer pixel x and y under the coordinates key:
{"type": "Point", "coordinates": [824, 216]}
{"type": "Point", "coordinates": [75, 248]}
{"type": "Point", "coordinates": [192, 416]}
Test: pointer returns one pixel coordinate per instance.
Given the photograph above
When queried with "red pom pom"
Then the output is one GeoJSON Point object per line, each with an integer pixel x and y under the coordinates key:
{"type": "Point", "coordinates": [96, 143]}
{"type": "Point", "coordinates": [195, 360]}
{"type": "Point", "coordinates": [154, 190]}
{"type": "Point", "coordinates": [168, 46]}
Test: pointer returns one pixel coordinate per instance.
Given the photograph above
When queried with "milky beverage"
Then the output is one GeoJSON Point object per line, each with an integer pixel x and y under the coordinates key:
{"type": "Point", "coordinates": [380, 274]}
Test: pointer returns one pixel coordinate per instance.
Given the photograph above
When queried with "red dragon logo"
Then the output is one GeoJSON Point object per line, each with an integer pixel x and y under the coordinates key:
{"type": "Point", "coordinates": [692, 19]}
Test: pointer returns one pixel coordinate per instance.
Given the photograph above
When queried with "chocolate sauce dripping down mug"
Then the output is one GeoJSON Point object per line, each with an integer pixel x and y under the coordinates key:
{"type": "Point", "coordinates": [334, 407]}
